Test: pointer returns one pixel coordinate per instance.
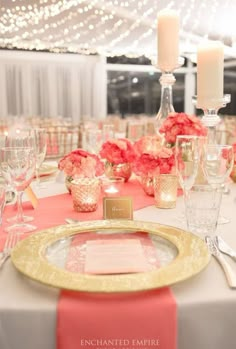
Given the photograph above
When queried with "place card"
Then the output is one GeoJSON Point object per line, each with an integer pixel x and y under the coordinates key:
{"type": "Point", "coordinates": [32, 196]}
{"type": "Point", "coordinates": [118, 207]}
{"type": "Point", "coordinates": [115, 256]}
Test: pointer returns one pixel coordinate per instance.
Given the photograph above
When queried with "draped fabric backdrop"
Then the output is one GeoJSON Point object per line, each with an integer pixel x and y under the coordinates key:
{"type": "Point", "coordinates": [51, 85]}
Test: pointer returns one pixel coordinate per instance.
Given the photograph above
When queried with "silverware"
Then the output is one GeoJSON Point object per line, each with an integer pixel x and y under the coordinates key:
{"type": "Point", "coordinates": [225, 248]}
{"type": "Point", "coordinates": [71, 220]}
{"type": "Point", "coordinates": [229, 272]}
{"type": "Point", "coordinates": [10, 242]}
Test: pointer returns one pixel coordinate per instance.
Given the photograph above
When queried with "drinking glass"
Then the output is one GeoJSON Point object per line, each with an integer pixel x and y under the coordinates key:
{"type": "Point", "coordinates": [202, 205]}
{"type": "Point", "coordinates": [187, 158]}
{"type": "Point", "coordinates": [188, 152]}
{"type": "Point", "coordinates": [40, 135]}
{"type": "Point", "coordinates": [18, 163]}
{"type": "Point", "coordinates": [217, 164]}
{"type": "Point", "coordinates": [17, 138]}
{"type": "Point", "coordinates": [2, 200]}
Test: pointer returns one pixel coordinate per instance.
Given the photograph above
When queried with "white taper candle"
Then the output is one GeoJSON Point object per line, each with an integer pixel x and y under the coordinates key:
{"type": "Point", "coordinates": [167, 39]}
{"type": "Point", "coordinates": [210, 74]}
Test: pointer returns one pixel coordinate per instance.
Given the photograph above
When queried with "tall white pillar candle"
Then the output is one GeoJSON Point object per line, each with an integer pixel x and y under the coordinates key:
{"type": "Point", "coordinates": [210, 74]}
{"type": "Point", "coordinates": [167, 39]}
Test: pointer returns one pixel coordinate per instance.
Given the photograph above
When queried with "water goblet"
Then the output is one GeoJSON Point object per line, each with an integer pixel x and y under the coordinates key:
{"type": "Point", "coordinates": [19, 164]}
{"type": "Point", "coordinates": [217, 164]}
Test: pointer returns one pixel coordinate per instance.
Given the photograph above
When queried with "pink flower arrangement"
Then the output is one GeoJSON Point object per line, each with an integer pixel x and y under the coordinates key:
{"type": "Point", "coordinates": [118, 151]}
{"type": "Point", "coordinates": [161, 161]}
{"type": "Point", "coordinates": [148, 144]}
{"type": "Point", "coordinates": [80, 163]}
{"type": "Point", "coordinates": [181, 124]}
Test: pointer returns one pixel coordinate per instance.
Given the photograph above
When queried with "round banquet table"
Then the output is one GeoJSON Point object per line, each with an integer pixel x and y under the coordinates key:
{"type": "Point", "coordinates": [206, 306]}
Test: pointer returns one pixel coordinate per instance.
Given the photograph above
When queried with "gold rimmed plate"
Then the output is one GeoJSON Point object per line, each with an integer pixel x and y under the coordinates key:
{"type": "Point", "coordinates": [47, 170]}
{"type": "Point", "coordinates": [45, 256]}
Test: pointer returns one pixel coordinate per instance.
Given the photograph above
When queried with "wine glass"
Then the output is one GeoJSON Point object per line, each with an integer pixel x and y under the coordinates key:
{"type": "Point", "coordinates": [18, 163]}
{"type": "Point", "coordinates": [17, 138]}
{"type": "Point", "coordinates": [188, 151]}
{"type": "Point", "coordinates": [217, 165]}
{"type": "Point", "coordinates": [40, 136]}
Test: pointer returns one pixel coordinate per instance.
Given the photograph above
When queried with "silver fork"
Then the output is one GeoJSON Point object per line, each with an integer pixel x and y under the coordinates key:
{"type": "Point", "coordinates": [10, 242]}
{"type": "Point", "coordinates": [229, 272]}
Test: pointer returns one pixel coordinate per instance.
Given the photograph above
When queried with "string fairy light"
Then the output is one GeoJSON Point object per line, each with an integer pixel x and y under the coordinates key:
{"type": "Point", "coordinates": [111, 27]}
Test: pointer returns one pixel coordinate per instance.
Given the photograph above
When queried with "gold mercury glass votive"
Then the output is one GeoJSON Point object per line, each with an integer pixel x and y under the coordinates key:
{"type": "Point", "coordinates": [85, 194]}
{"type": "Point", "coordinates": [165, 190]}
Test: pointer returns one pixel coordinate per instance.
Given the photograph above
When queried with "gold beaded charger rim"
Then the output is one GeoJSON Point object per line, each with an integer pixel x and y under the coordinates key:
{"type": "Point", "coordinates": [29, 258]}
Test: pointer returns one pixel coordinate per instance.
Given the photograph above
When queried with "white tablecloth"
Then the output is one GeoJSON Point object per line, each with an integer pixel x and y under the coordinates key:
{"type": "Point", "coordinates": [206, 305]}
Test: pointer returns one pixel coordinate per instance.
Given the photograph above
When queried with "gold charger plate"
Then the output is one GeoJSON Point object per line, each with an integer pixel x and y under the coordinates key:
{"type": "Point", "coordinates": [189, 256]}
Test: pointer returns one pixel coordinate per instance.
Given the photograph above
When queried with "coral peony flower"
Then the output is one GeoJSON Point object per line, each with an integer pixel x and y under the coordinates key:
{"type": "Point", "coordinates": [181, 124]}
{"type": "Point", "coordinates": [118, 151]}
{"type": "Point", "coordinates": [80, 163]}
{"type": "Point", "coordinates": [161, 161]}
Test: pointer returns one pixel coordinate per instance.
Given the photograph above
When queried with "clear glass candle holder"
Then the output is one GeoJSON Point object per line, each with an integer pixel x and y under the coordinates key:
{"type": "Point", "coordinates": [112, 186]}
{"type": "Point", "coordinates": [85, 194]}
{"type": "Point", "coordinates": [165, 190]}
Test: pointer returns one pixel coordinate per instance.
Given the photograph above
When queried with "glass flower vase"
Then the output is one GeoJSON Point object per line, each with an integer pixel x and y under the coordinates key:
{"type": "Point", "coordinates": [123, 170]}
{"type": "Point", "coordinates": [85, 194]}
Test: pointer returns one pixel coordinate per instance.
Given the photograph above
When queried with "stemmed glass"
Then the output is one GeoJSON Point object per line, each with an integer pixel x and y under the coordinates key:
{"type": "Point", "coordinates": [18, 164]}
{"type": "Point", "coordinates": [2, 199]}
{"type": "Point", "coordinates": [188, 152]}
{"type": "Point", "coordinates": [17, 138]}
{"type": "Point", "coordinates": [217, 164]}
{"type": "Point", "coordinates": [40, 136]}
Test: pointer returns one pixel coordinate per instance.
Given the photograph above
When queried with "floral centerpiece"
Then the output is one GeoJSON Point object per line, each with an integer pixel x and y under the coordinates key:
{"type": "Point", "coordinates": [181, 124]}
{"type": "Point", "coordinates": [81, 164]}
{"type": "Point", "coordinates": [119, 154]}
{"type": "Point", "coordinates": [152, 161]}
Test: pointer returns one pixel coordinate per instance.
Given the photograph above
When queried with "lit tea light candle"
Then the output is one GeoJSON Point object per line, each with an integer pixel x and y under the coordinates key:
{"type": "Point", "coordinates": [210, 74]}
{"type": "Point", "coordinates": [111, 190]}
{"type": "Point", "coordinates": [168, 197]}
{"type": "Point", "coordinates": [112, 186]}
{"type": "Point", "coordinates": [167, 39]}
{"type": "Point", "coordinates": [165, 190]}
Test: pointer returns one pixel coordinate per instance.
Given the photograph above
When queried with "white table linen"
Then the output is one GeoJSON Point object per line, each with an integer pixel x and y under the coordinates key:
{"type": "Point", "coordinates": [206, 306]}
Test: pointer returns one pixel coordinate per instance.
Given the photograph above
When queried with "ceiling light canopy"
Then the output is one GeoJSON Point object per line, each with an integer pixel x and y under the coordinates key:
{"type": "Point", "coordinates": [112, 27]}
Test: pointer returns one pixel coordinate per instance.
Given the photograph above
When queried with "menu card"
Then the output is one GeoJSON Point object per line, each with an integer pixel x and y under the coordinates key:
{"type": "Point", "coordinates": [115, 256]}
